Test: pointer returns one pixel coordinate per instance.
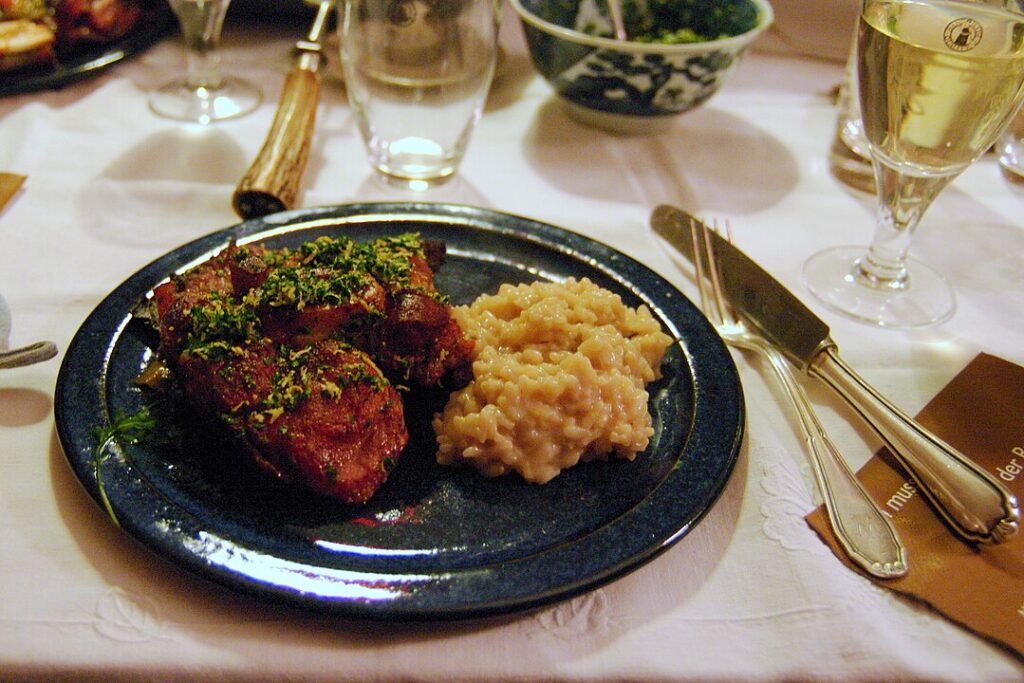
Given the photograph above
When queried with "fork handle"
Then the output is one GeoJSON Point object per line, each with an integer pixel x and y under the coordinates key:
{"type": "Point", "coordinates": [862, 529]}
{"type": "Point", "coordinates": [971, 500]}
{"type": "Point", "coordinates": [27, 355]}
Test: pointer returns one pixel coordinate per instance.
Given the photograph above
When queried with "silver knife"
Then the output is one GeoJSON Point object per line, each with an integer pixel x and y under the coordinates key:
{"type": "Point", "coordinates": [969, 499]}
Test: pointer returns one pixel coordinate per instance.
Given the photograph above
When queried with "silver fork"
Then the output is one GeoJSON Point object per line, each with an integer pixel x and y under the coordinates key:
{"type": "Point", "coordinates": [27, 355]}
{"type": "Point", "coordinates": [862, 529]}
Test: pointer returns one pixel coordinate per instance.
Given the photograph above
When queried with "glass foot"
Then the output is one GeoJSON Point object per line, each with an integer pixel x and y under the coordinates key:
{"type": "Point", "coordinates": [924, 298]}
{"type": "Point", "coordinates": [177, 100]}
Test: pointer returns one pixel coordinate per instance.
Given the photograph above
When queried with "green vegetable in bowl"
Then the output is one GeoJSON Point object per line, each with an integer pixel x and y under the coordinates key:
{"type": "Point", "coordinates": [683, 35]}
{"type": "Point", "coordinates": [688, 21]}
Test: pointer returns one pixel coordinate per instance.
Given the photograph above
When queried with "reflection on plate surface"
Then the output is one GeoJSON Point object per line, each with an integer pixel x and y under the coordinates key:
{"type": "Point", "coordinates": [434, 542]}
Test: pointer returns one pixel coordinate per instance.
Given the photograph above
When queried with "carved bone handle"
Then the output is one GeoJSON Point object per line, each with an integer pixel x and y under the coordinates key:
{"type": "Point", "coordinates": [272, 182]}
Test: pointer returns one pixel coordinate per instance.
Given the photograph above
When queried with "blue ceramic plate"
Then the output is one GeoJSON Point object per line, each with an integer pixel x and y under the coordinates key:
{"type": "Point", "coordinates": [434, 543]}
{"type": "Point", "coordinates": [86, 61]}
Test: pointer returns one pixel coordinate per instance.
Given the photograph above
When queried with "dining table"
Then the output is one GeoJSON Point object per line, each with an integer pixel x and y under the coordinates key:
{"type": "Point", "coordinates": [749, 591]}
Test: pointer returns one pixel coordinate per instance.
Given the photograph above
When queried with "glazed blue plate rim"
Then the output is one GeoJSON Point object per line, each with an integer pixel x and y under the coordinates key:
{"type": "Point", "coordinates": [698, 450]}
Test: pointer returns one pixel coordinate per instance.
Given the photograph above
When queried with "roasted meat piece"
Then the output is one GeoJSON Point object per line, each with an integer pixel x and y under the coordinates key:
{"type": "Point", "coordinates": [32, 32]}
{"type": "Point", "coordinates": [303, 296]}
{"type": "Point", "coordinates": [419, 340]}
{"type": "Point", "coordinates": [94, 21]}
{"type": "Point", "coordinates": [380, 296]}
{"type": "Point", "coordinates": [292, 349]}
{"type": "Point", "coordinates": [319, 416]}
{"type": "Point", "coordinates": [176, 304]}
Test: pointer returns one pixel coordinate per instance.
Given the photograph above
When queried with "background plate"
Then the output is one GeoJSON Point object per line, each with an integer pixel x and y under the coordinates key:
{"type": "Point", "coordinates": [87, 61]}
{"type": "Point", "coordinates": [434, 542]}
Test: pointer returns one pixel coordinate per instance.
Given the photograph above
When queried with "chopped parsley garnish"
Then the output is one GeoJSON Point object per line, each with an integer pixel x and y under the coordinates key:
{"type": "Point", "coordinates": [292, 385]}
{"type": "Point", "coordinates": [220, 327]}
{"type": "Point", "coordinates": [296, 379]}
{"type": "Point", "coordinates": [331, 271]}
{"type": "Point", "coordinates": [291, 287]}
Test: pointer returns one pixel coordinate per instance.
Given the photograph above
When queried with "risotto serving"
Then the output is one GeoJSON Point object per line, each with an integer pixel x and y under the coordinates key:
{"type": "Point", "coordinates": [559, 375]}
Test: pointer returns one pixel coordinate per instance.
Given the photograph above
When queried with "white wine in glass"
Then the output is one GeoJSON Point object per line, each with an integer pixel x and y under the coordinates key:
{"type": "Point", "coordinates": [939, 80]}
{"type": "Point", "coordinates": [203, 94]}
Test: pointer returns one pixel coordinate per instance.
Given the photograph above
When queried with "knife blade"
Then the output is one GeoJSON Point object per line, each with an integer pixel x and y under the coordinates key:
{"type": "Point", "coordinates": [973, 502]}
{"type": "Point", "coordinates": [272, 182]}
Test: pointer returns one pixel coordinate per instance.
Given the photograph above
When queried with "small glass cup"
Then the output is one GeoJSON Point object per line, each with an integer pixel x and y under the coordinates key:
{"type": "Point", "coordinates": [417, 74]}
{"type": "Point", "coordinates": [1011, 151]}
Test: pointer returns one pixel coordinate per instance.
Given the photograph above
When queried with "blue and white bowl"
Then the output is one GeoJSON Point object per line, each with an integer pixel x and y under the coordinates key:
{"type": "Point", "coordinates": [630, 86]}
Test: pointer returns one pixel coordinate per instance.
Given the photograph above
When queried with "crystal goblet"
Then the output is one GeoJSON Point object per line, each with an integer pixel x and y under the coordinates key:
{"type": "Point", "coordinates": [203, 94]}
{"type": "Point", "coordinates": [939, 80]}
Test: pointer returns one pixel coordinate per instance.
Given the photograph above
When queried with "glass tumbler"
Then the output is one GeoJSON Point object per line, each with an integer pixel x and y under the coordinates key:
{"type": "Point", "coordinates": [850, 157]}
{"type": "Point", "coordinates": [1011, 151]}
{"type": "Point", "coordinates": [417, 74]}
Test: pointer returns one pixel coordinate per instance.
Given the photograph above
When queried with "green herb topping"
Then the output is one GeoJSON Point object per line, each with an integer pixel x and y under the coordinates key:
{"type": "Point", "coordinates": [220, 327]}
{"type": "Point", "coordinates": [128, 429]}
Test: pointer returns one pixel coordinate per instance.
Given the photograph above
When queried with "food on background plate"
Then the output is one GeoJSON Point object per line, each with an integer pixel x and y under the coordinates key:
{"type": "Point", "coordinates": [23, 43]}
{"type": "Point", "coordinates": [559, 375]}
{"type": "Point", "coordinates": [299, 352]}
{"type": "Point", "coordinates": [33, 32]}
{"type": "Point", "coordinates": [35, 10]}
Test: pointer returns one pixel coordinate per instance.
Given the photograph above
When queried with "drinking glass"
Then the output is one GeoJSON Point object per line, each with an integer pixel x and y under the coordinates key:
{"type": "Point", "coordinates": [1011, 151]}
{"type": "Point", "coordinates": [203, 95]}
{"type": "Point", "coordinates": [938, 81]}
{"type": "Point", "coordinates": [417, 74]}
{"type": "Point", "coordinates": [849, 157]}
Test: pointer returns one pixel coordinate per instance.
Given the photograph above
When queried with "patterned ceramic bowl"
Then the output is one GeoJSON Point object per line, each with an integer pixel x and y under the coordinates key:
{"type": "Point", "coordinates": [634, 86]}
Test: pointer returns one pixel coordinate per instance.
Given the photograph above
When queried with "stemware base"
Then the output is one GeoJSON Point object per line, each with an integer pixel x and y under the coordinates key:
{"type": "Point", "coordinates": [923, 298]}
{"type": "Point", "coordinates": [179, 101]}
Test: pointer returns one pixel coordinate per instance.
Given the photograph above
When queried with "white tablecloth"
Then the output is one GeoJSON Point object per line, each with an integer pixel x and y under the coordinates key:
{"type": "Point", "coordinates": [751, 593]}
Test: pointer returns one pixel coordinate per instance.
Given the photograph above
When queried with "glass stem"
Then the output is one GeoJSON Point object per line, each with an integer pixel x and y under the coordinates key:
{"type": "Point", "coordinates": [201, 23]}
{"type": "Point", "coordinates": [903, 199]}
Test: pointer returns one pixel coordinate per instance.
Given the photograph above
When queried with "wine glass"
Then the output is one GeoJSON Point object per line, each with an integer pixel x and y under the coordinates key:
{"type": "Point", "coordinates": [939, 80]}
{"type": "Point", "coordinates": [203, 95]}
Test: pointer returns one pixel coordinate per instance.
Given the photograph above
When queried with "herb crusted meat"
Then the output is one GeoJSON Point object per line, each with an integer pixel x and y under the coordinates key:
{"type": "Point", "coordinates": [299, 352]}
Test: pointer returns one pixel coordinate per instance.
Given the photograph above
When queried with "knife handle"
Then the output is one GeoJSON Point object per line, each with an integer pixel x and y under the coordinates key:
{"type": "Point", "coordinates": [972, 501]}
{"type": "Point", "coordinates": [272, 182]}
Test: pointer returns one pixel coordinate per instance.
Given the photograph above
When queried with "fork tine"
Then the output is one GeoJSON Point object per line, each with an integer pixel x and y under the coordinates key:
{"type": "Point", "coordinates": [728, 229]}
{"type": "Point", "coordinates": [709, 307]}
{"type": "Point", "coordinates": [714, 274]}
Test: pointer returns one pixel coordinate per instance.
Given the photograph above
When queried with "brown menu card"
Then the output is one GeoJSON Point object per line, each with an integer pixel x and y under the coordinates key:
{"type": "Point", "coordinates": [980, 586]}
